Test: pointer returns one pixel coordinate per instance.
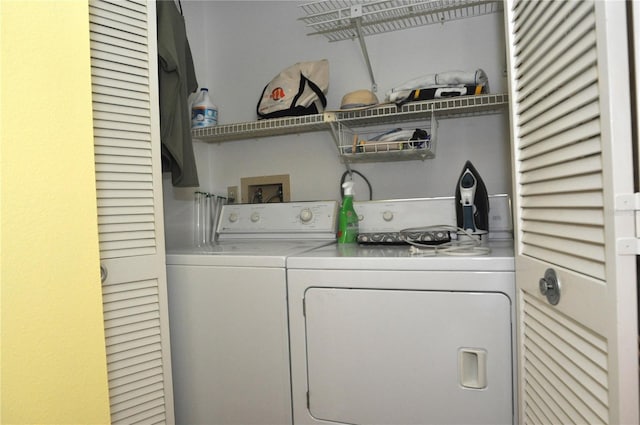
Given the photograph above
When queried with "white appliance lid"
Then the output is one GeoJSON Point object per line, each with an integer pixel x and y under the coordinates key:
{"type": "Point", "coordinates": [242, 253]}
{"type": "Point", "coordinates": [399, 257]}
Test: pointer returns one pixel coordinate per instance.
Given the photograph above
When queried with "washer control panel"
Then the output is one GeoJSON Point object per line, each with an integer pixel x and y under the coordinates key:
{"type": "Point", "coordinates": [297, 220]}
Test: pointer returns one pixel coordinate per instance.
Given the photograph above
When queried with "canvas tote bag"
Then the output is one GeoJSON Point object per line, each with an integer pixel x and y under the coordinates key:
{"type": "Point", "coordinates": [297, 90]}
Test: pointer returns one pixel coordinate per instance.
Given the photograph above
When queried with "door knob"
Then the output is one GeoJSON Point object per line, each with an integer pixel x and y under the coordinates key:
{"type": "Point", "coordinates": [550, 286]}
{"type": "Point", "coordinates": [103, 273]}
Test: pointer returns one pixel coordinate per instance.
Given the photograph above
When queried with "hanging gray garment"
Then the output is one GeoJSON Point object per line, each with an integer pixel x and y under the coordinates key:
{"type": "Point", "coordinates": [177, 80]}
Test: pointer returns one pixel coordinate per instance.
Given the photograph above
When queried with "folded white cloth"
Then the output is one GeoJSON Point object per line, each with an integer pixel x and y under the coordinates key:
{"type": "Point", "coordinates": [441, 79]}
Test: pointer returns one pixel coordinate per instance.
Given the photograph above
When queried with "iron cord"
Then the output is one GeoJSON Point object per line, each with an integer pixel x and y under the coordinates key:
{"type": "Point", "coordinates": [467, 244]}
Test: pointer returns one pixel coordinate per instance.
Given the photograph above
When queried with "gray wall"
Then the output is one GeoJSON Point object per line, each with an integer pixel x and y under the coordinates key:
{"type": "Point", "coordinates": [239, 46]}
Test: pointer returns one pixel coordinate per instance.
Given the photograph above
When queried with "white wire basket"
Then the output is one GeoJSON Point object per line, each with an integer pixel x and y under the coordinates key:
{"type": "Point", "coordinates": [390, 143]}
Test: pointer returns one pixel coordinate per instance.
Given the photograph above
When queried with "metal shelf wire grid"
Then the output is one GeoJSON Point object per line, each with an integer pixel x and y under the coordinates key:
{"type": "Point", "coordinates": [382, 114]}
{"type": "Point", "coordinates": [335, 19]}
{"type": "Point", "coordinates": [262, 128]}
{"type": "Point", "coordinates": [450, 107]}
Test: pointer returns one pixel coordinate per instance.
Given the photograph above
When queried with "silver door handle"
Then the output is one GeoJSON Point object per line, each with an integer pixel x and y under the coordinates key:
{"type": "Point", "coordinates": [103, 273]}
{"type": "Point", "coordinates": [550, 286]}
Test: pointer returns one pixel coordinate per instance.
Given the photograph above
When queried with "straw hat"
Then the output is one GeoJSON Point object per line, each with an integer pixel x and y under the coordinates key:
{"type": "Point", "coordinates": [358, 99]}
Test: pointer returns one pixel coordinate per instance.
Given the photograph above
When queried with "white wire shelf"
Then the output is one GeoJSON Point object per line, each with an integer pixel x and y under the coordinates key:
{"type": "Point", "coordinates": [261, 128]}
{"type": "Point", "coordinates": [444, 108]}
{"type": "Point", "coordinates": [336, 19]}
{"type": "Point", "coordinates": [383, 114]}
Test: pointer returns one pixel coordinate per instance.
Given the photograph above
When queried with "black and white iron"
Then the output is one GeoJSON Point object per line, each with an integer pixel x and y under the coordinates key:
{"type": "Point", "coordinates": [472, 202]}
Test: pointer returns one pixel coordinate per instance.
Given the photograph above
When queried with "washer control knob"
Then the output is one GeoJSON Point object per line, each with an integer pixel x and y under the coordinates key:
{"type": "Point", "coordinates": [255, 217]}
{"type": "Point", "coordinates": [233, 217]}
{"type": "Point", "coordinates": [387, 216]}
{"type": "Point", "coordinates": [306, 215]}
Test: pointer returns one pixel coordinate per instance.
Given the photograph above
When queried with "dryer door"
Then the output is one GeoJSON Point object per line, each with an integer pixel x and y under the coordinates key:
{"type": "Point", "coordinates": [407, 356]}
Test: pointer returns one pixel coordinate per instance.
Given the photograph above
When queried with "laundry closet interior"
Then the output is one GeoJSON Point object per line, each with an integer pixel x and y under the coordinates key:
{"type": "Point", "coordinates": [257, 328]}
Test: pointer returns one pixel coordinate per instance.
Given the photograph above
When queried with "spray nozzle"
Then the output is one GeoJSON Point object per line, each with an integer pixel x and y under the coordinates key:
{"type": "Point", "coordinates": [347, 188]}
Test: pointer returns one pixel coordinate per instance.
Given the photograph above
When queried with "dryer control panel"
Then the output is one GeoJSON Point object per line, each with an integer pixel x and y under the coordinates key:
{"type": "Point", "coordinates": [424, 219]}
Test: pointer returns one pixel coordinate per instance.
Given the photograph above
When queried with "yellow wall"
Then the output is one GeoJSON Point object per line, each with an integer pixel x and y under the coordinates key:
{"type": "Point", "coordinates": [53, 362]}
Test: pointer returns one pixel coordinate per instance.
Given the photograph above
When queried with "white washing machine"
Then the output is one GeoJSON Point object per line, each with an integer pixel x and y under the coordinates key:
{"type": "Point", "coordinates": [228, 313]}
{"type": "Point", "coordinates": [381, 335]}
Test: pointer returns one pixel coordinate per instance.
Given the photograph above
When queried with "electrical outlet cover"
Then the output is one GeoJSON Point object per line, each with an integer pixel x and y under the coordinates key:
{"type": "Point", "coordinates": [232, 194]}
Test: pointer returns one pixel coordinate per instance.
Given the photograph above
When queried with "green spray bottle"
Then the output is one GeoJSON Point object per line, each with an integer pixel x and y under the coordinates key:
{"type": "Point", "coordinates": [347, 218]}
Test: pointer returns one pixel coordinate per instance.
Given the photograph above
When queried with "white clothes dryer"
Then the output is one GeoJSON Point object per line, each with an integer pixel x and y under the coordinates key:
{"type": "Point", "coordinates": [382, 335]}
{"type": "Point", "coordinates": [228, 313]}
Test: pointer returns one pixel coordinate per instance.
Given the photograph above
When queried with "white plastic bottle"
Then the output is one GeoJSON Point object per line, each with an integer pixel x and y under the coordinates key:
{"type": "Point", "coordinates": [194, 99]}
{"type": "Point", "coordinates": [203, 112]}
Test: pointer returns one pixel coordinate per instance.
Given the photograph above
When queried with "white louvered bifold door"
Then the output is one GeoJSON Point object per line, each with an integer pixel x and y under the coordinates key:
{"type": "Point", "coordinates": [571, 136]}
{"type": "Point", "coordinates": [128, 178]}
